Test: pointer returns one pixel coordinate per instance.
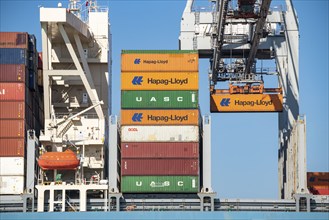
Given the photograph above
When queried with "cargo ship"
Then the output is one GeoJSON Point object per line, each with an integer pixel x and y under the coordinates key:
{"type": "Point", "coordinates": [62, 150]}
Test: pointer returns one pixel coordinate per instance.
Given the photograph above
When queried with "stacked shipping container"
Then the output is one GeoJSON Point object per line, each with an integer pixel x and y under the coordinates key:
{"type": "Point", "coordinates": [20, 106]}
{"type": "Point", "coordinates": [159, 122]}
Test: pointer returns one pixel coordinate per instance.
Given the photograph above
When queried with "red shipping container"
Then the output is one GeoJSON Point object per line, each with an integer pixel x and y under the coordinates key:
{"type": "Point", "coordinates": [14, 40]}
{"type": "Point", "coordinates": [12, 147]}
{"type": "Point", "coordinates": [11, 128]}
{"type": "Point", "coordinates": [12, 110]}
{"type": "Point", "coordinates": [159, 150]}
{"type": "Point", "coordinates": [12, 73]}
{"type": "Point", "coordinates": [12, 91]}
{"type": "Point", "coordinates": [159, 167]}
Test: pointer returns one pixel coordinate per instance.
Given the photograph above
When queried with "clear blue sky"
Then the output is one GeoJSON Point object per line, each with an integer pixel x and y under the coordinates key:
{"type": "Point", "coordinates": [244, 160]}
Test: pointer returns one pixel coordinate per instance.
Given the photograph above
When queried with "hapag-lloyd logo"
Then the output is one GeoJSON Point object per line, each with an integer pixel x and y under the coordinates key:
{"type": "Point", "coordinates": [137, 81]}
{"type": "Point", "coordinates": [172, 81]}
{"type": "Point", "coordinates": [138, 61]}
{"type": "Point", "coordinates": [137, 117]}
{"type": "Point", "coordinates": [2, 91]}
{"type": "Point", "coordinates": [177, 118]}
{"type": "Point", "coordinates": [225, 102]}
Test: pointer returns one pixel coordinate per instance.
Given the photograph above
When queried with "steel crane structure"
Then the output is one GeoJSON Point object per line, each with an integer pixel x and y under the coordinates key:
{"type": "Point", "coordinates": [236, 40]}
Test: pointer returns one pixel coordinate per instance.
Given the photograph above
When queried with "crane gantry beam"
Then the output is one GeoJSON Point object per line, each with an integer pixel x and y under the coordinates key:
{"type": "Point", "coordinates": [257, 34]}
{"type": "Point", "coordinates": [221, 8]}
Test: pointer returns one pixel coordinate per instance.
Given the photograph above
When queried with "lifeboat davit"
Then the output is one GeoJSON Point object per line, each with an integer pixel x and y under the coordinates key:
{"type": "Point", "coordinates": [66, 160]}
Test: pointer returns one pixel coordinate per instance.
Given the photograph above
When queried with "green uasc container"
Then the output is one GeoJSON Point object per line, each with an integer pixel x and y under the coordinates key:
{"type": "Point", "coordinates": [159, 184]}
{"type": "Point", "coordinates": [159, 99]}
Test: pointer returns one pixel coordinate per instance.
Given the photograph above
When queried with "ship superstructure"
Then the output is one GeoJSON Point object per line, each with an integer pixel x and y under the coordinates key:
{"type": "Point", "coordinates": [76, 86]}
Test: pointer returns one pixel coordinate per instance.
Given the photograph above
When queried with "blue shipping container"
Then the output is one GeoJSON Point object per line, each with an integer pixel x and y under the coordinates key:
{"type": "Point", "coordinates": [13, 56]}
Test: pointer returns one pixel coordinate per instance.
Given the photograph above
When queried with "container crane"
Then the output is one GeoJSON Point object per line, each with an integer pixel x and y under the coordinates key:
{"type": "Point", "coordinates": [233, 39]}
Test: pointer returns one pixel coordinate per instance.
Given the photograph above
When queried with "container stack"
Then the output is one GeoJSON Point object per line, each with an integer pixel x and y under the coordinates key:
{"type": "Point", "coordinates": [159, 122]}
{"type": "Point", "coordinates": [20, 102]}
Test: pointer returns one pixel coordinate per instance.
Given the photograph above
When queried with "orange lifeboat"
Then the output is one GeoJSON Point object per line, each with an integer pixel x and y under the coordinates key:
{"type": "Point", "coordinates": [66, 160]}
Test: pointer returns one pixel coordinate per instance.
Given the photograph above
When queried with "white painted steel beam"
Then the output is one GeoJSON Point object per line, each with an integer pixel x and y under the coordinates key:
{"type": "Point", "coordinates": [206, 166]}
{"type": "Point", "coordinates": [31, 145]}
{"type": "Point", "coordinates": [287, 56]}
{"type": "Point", "coordinates": [87, 79]}
{"type": "Point", "coordinates": [87, 83]}
{"type": "Point", "coordinates": [46, 48]}
{"type": "Point", "coordinates": [301, 155]}
{"type": "Point", "coordinates": [62, 72]}
{"type": "Point", "coordinates": [113, 155]}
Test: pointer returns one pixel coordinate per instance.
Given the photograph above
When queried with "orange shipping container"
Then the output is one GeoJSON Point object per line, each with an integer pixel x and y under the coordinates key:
{"type": "Point", "coordinates": [159, 60]}
{"type": "Point", "coordinates": [318, 179]}
{"type": "Point", "coordinates": [246, 103]}
{"type": "Point", "coordinates": [160, 117]}
{"type": "Point", "coordinates": [159, 81]}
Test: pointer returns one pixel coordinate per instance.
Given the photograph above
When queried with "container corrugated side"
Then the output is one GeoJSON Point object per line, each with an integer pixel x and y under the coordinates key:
{"type": "Point", "coordinates": [12, 91]}
{"type": "Point", "coordinates": [14, 40]}
{"type": "Point", "coordinates": [159, 99]}
{"type": "Point", "coordinates": [12, 147]}
{"type": "Point", "coordinates": [159, 117]}
{"type": "Point", "coordinates": [159, 81]}
{"type": "Point", "coordinates": [317, 179]}
{"type": "Point", "coordinates": [12, 166]}
{"type": "Point", "coordinates": [159, 167]}
{"type": "Point", "coordinates": [159, 133]}
{"type": "Point", "coordinates": [13, 73]}
{"type": "Point", "coordinates": [11, 185]}
{"type": "Point", "coordinates": [12, 110]}
{"type": "Point", "coordinates": [153, 61]}
{"type": "Point", "coordinates": [159, 184]}
{"type": "Point", "coordinates": [11, 128]}
{"type": "Point", "coordinates": [159, 150]}
{"type": "Point", "coordinates": [13, 56]}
